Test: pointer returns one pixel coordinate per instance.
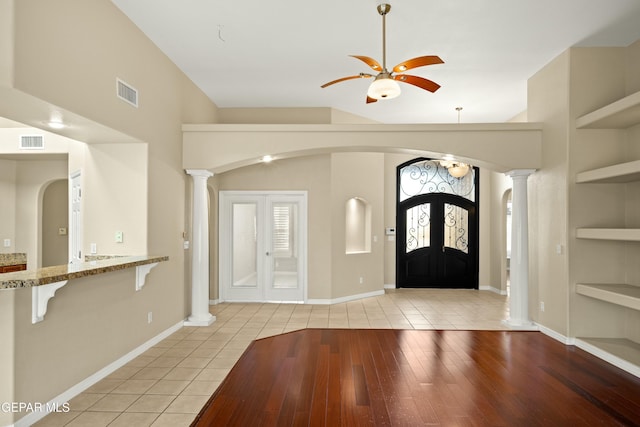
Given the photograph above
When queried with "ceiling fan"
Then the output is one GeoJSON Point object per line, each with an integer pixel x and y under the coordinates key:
{"type": "Point", "coordinates": [385, 84]}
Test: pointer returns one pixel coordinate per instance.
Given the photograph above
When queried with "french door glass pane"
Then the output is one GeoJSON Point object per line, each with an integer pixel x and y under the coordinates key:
{"type": "Point", "coordinates": [418, 227]}
{"type": "Point", "coordinates": [284, 219]}
{"type": "Point", "coordinates": [244, 241]}
{"type": "Point", "coordinates": [456, 227]}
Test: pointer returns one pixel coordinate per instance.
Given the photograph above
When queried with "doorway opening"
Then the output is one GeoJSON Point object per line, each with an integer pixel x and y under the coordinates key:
{"type": "Point", "coordinates": [437, 226]}
{"type": "Point", "coordinates": [55, 223]}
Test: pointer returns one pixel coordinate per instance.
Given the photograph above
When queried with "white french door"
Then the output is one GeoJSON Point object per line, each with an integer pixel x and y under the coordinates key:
{"type": "Point", "coordinates": [263, 246]}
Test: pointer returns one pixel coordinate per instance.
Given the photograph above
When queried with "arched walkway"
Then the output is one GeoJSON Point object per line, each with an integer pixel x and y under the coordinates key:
{"type": "Point", "coordinates": [511, 148]}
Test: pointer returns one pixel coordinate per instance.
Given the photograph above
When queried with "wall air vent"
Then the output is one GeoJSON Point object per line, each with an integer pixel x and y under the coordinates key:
{"type": "Point", "coordinates": [31, 142]}
{"type": "Point", "coordinates": [127, 93]}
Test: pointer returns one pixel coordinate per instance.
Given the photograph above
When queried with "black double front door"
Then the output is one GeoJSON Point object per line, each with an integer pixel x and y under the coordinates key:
{"type": "Point", "coordinates": [437, 244]}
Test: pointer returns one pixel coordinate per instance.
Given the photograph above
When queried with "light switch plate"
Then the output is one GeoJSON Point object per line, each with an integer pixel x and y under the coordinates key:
{"type": "Point", "coordinates": [119, 237]}
{"type": "Point", "coordinates": [7, 243]}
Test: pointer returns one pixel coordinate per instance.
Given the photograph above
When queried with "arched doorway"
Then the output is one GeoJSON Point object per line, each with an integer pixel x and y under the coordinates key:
{"type": "Point", "coordinates": [55, 223]}
{"type": "Point", "coordinates": [437, 226]}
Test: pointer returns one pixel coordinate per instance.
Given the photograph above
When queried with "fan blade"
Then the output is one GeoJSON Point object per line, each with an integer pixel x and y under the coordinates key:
{"type": "Point", "coordinates": [369, 61]}
{"type": "Point", "coordinates": [420, 61]}
{"type": "Point", "coordinates": [370, 100]}
{"type": "Point", "coordinates": [417, 81]}
{"type": "Point", "coordinates": [359, 76]}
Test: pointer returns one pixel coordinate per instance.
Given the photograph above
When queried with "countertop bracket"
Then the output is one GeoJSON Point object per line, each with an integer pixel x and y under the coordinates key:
{"type": "Point", "coordinates": [141, 274]}
{"type": "Point", "coordinates": [40, 296]}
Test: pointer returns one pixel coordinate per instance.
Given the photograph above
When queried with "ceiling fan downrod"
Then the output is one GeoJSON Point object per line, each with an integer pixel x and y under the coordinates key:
{"type": "Point", "coordinates": [383, 9]}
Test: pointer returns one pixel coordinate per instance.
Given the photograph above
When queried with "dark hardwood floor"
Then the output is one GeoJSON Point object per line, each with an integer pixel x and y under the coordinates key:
{"type": "Point", "coordinates": [350, 377]}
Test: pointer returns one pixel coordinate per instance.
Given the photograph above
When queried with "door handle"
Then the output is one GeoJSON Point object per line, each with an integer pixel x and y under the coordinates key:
{"type": "Point", "coordinates": [442, 248]}
{"type": "Point", "coordinates": [267, 254]}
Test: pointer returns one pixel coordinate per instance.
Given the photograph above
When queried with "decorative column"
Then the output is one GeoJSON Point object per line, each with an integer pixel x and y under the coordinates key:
{"type": "Point", "coordinates": [519, 290]}
{"type": "Point", "coordinates": [200, 315]}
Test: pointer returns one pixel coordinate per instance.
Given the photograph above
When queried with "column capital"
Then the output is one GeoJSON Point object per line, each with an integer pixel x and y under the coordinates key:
{"type": "Point", "coordinates": [199, 172]}
{"type": "Point", "coordinates": [519, 173]}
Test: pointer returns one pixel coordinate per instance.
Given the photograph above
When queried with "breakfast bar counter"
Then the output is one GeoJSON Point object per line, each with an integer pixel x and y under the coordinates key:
{"type": "Point", "coordinates": [44, 282]}
{"type": "Point", "coordinates": [57, 273]}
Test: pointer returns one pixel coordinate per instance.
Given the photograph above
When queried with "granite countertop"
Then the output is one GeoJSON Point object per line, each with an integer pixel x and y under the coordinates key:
{"type": "Point", "coordinates": [58, 273]}
{"type": "Point", "coordinates": [13, 259]}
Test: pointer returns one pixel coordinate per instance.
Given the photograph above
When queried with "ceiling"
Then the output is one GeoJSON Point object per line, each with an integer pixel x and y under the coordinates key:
{"type": "Point", "coordinates": [256, 53]}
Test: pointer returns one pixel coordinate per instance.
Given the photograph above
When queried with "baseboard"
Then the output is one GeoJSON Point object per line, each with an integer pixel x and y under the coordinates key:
{"type": "Point", "coordinates": [214, 301]}
{"type": "Point", "coordinates": [555, 335]}
{"type": "Point", "coordinates": [492, 289]}
{"type": "Point", "coordinates": [61, 399]}
{"type": "Point", "coordinates": [390, 286]}
{"type": "Point", "coordinates": [346, 299]}
{"type": "Point", "coordinates": [616, 361]}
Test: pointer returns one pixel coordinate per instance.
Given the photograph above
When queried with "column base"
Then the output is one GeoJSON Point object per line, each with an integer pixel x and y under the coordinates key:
{"type": "Point", "coordinates": [200, 320]}
{"type": "Point", "coordinates": [520, 325]}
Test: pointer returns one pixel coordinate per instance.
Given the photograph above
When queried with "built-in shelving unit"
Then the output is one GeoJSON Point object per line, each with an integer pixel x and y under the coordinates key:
{"type": "Point", "coordinates": [619, 234]}
{"type": "Point", "coordinates": [621, 294]}
{"type": "Point", "coordinates": [621, 351]}
{"type": "Point", "coordinates": [615, 174]}
{"type": "Point", "coordinates": [621, 114]}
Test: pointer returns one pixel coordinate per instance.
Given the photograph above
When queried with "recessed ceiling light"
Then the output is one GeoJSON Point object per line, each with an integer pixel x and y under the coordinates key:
{"type": "Point", "coordinates": [56, 125]}
{"type": "Point", "coordinates": [267, 158]}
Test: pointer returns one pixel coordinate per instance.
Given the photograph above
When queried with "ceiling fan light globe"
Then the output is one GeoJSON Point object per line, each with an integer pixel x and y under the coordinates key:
{"type": "Point", "coordinates": [459, 170]}
{"type": "Point", "coordinates": [384, 88]}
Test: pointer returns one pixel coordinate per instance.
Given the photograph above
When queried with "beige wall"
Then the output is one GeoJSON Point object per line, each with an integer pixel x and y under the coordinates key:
{"type": "Point", "coordinates": [594, 205]}
{"type": "Point", "coordinates": [89, 324]}
{"type": "Point", "coordinates": [497, 146]}
{"type": "Point", "coordinates": [331, 181]}
{"type": "Point", "coordinates": [6, 42]}
{"type": "Point", "coordinates": [391, 162]}
{"type": "Point", "coordinates": [494, 273]}
{"type": "Point", "coordinates": [356, 175]}
{"type": "Point", "coordinates": [84, 46]}
{"type": "Point", "coordinates": [548, 103]}
{"type": "Point", "coordinates": [114, 178]}
{"type": "Point", "coordinates": [580, 81]}
{"type": "Point", "coordinates": [311, 174]}
{"type": "Point", "coordinates": [7, 352]}
{"type": "Point", "coordinates": [33, 176]}
{"type": "Point", "coordinates": [288, 116]}
{"type": "Point", "coordinates": [115, 198]}
{"type": "Point", "coordinates": [8, 198]}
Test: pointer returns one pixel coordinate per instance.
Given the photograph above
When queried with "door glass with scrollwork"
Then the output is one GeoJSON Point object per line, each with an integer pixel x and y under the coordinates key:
{"type": "Point", "coordinates": [418, 227]}
{"type": "Point", "coordinates": [456, 227]}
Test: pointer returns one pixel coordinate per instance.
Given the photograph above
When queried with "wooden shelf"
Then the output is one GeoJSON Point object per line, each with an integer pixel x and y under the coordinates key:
{"type": "Point", "coordinates": [620, 234]}
{"type": "Point", "coordinates": [620, 352]}
{"type": "Point", "coordinates": [621, 114]}
{"type": "Point", "coordinates": [619, 294]}
{"type": "Point", "coordinates": [620, 173]}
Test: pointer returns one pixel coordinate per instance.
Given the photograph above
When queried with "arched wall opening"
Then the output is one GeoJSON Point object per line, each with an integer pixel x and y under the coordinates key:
{"type": "Point", "coordinates": [54, 231]}
{"type": "Point", "coordinates": [331, 180]}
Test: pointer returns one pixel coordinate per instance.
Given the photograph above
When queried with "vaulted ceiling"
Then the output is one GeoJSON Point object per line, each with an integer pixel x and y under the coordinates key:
{"type": "Point", "coordinates": [256, 53]}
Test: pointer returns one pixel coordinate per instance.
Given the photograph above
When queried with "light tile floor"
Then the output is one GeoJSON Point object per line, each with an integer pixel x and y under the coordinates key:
{"type": "Point", "coordinates": [169, 383]}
